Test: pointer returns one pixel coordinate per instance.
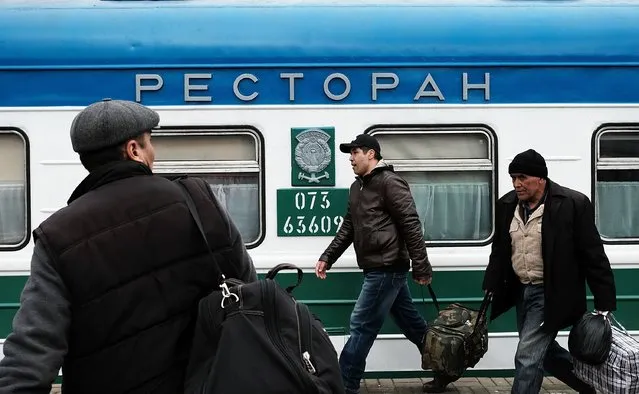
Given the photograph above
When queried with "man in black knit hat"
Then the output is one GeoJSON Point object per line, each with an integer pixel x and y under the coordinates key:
{"type": "Point", "coordinates": [546, 247]}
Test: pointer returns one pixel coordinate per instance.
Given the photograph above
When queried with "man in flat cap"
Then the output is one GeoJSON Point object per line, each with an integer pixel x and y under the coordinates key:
{"type": "Point", "coordinates": [382, 224]}
{"type": "Point", "coordinates": [117, 274]}
{"type": "Point", "coordinates": [546, 247]}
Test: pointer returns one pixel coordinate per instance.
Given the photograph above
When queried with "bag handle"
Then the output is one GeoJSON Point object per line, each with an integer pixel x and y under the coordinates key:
{"type": "Point", "coordinates": [483, 310]}
{"type": "Point", "coordinates": [300, 274]}
{"type": "Point", "coordinates": [615, 321]}
{"type": "Point", "coordinates": [433, 297]}
{"type": "Point", "coordinates": [219, 276]}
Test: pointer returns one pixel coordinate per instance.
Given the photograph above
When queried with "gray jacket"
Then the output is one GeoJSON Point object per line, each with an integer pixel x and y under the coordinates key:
{"type": "Point", "coordinates": [35, 349]}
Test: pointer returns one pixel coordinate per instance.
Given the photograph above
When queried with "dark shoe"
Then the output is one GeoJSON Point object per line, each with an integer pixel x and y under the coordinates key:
{"type": "Point", "coordinates": [433, 387]}
{"type": "Point", "coordinates": [437, 385]}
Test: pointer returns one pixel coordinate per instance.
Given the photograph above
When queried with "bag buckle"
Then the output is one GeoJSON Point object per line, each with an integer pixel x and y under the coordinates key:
{"type": "Point", "coordinates": [226, 293]}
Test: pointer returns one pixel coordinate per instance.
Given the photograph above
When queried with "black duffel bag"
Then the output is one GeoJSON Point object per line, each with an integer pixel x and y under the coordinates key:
{"type": "Point", "coordinates": [590, 338]}
{"type": "Point", "coordinates": [256, 338]}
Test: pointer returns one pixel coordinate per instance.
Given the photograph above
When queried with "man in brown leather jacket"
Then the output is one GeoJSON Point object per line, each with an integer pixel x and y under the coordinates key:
{"type": "Point", "coordinates": [382, 223]}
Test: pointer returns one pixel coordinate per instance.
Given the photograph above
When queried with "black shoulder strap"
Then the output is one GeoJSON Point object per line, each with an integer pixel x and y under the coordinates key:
{"type": "Point", "coordinates": [193, 210]}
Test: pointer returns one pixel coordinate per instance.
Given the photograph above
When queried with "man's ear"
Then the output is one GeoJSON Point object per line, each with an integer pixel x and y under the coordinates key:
{"type": "Point", "coordinates": [132, 150]}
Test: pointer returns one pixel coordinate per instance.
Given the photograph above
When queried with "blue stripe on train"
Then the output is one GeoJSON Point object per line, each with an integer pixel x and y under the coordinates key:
{"type": "Point", "coordinates": [75, 52]}
{"type": "Point", "coordinates": [343, 85]}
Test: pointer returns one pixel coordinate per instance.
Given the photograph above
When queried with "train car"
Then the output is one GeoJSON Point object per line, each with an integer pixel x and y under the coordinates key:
{"type": "Point", "coordinates": [255, 96]}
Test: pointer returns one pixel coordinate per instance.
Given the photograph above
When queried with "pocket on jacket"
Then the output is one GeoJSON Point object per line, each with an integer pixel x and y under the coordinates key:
{"type": "Point", "coordinates": [369, 241]}
{"type": "Point", "coordinates": [385, 239]}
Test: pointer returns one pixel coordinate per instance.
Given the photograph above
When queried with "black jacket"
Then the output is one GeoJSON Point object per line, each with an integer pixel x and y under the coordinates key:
{"type": "Point", "coordinates": [382, 223]}
{"type": "Point", "coordinates": [573, 254]}
{"type": "Point", "coordinates": [135, 266]}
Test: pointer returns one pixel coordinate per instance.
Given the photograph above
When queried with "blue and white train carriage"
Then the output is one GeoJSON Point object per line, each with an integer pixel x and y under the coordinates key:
{"type": "Point", "coordinates": [452, 89]}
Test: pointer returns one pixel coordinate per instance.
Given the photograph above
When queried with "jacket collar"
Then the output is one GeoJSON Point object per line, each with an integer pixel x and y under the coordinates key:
{"type": "Point", "coordinates": [109, 173]}
{"type": "Point", "coordinates": [381, 166]}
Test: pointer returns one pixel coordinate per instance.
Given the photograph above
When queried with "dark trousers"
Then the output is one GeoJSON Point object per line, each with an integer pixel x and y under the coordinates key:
{"type": "Point", "coordinates": [382, 294]}
{"type": "Point", "coordinates": [537, 349]}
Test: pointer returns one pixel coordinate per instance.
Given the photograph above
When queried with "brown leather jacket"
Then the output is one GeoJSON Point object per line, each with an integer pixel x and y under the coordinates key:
{"type": "Point", "coordinates": [382, 223]}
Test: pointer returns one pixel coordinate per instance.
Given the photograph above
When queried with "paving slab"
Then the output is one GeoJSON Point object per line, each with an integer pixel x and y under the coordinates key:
{"type": "Point", "coordinates": [481, 385]}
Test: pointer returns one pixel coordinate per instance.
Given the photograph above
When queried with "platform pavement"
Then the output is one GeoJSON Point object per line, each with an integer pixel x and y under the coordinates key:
{"type": "Point", "coordinates": [464, 385]}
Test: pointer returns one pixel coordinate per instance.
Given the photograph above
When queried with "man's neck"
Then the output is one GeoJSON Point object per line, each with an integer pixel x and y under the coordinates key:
{"type": "Point", "coordinates": [532, 203]}
{"type": "Point", "coordinates": [371, 167]}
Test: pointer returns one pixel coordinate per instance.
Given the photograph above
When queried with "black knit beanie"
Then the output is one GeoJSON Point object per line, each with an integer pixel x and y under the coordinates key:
{"type": "Point", "coordinates": [529, 163]}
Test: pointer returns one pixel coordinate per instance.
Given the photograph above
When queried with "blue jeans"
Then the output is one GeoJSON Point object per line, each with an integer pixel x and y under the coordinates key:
{"type": "Point", "coordinates": [382, 292]}
{"type": "Point", "coordinates": [537, 349]}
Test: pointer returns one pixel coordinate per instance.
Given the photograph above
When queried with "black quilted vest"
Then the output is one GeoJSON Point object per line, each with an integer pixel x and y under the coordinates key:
{"type": "Point", "coordinates": [135, 267]}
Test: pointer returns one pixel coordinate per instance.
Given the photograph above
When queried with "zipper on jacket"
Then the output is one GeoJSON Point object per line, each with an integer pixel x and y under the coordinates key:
{"type": "Point", "coordinates": [273, 332]}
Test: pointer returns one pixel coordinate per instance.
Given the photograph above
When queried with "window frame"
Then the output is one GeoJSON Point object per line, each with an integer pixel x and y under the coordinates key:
{"type": "Point", "coordinates": [619, 163]}
{"type": "Point", "coordinates": [449, 165]}
{"type": "Point", "coordinates": [27, 189]}
{"type": "Point", "coordinates": [222, 167]}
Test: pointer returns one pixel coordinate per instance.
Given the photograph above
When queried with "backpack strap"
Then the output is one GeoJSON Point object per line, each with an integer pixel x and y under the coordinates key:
{"type": "Point", "coordinates": [220, 279]}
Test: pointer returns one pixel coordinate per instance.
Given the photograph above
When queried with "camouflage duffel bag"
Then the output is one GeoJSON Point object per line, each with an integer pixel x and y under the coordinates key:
{"type": "Point", "coordinates": [457, 339]}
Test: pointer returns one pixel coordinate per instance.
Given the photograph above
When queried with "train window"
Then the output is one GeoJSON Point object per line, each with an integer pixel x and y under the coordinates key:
{"type": "Point", "coordinates": [450, 170]}
{"type": "Point", "coordinates": [13, 189]}
{"type": "Point", "coordinates": [231, 162]}
{"type": "Point", "coordinates": [617, 182]}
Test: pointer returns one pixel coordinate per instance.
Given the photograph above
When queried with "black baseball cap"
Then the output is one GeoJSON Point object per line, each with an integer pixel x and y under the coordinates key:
{"type": "Point", "coordinates": [361, 141]}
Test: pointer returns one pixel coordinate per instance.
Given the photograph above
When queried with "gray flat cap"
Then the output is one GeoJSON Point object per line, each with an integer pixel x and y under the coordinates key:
{"type": "Point", "coordinates": [110, 122]}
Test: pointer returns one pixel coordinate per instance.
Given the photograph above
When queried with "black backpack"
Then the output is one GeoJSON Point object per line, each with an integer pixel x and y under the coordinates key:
{"type": "Point", "coordinates": [256, 338]}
